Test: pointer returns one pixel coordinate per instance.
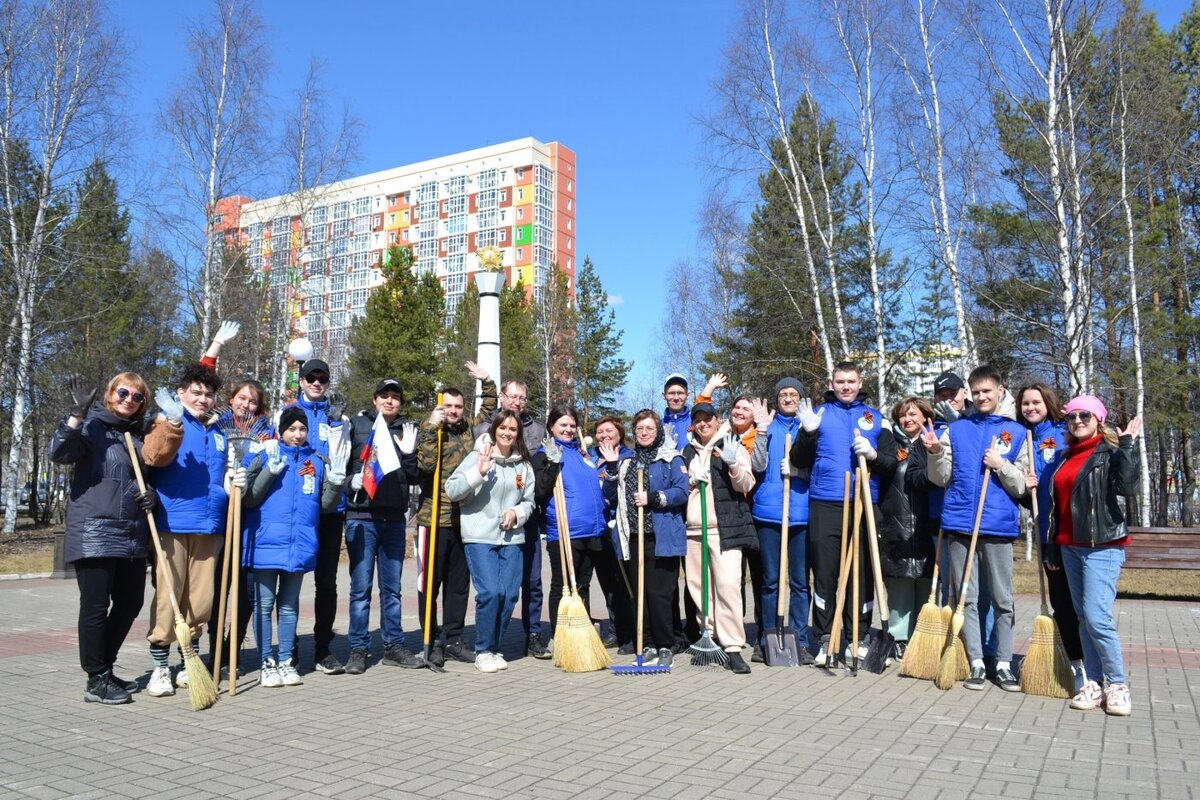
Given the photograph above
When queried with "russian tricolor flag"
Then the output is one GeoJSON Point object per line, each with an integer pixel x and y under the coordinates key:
{"type": "Point", "coordinates": [379, 456]}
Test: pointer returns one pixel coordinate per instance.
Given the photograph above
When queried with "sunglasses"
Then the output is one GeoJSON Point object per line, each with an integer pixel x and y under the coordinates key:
{"type": "Point", "coordinates": [322, 379]}
{"type": "Point", "coordinates": [1080, 416]}
{"type": "Point", "coordinates": [125, 394]}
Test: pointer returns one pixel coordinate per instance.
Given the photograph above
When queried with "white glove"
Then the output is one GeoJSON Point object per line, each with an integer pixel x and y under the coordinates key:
{"type": "Point", "coordinates": [553, 451]}
{"type": "Point", "coordinates": [809, 420]}
{"type": "Point", "coordinates": [785, 466]}
{"type": "Point", "coordinates": [339, 458]}
{"type": "Point", "coordinates": [949, 414]}
{"type": "Point", "coordinates": [337, 477]}
{"type": "Point", "coordinates": [862, 447]}
{"type": "Point", "coordinates": [730, 446]}
{"type": "Point", "coordinates": [168, 402]}
{"type": "Point", "coordinates": [228, 330]}
{"type": "Point", "coordinates": [239, 478]}
{"type": "Point", "coordinates": [270, 449]}
{"type": "Point", "coordinates": [407, 441]}
{"type": "Point", "coordinates": [275, 466]}
{"type": "Point", "coordinates": [356, 482]}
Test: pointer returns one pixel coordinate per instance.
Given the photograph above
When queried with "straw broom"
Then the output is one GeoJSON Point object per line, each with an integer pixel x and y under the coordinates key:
{"type": "Point", "coordinates": [584, 651]}
{"type": "Point", "coordinates": [201, 690]}
{"type": "Point", "coordinates": [924, 652]}
{"type": "Point", "coordinates": [950, 668]}
{"type": "Point", "coordinates": [1046, 669]}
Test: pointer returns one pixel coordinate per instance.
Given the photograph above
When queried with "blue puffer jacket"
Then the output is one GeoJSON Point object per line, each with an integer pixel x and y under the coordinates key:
{"type": "Point", "coordinates": [1049, 447]}
{"type": "Point", "coordinates": [768, 492]}
{"type": "Point", "coordinates": [279, 529]}
{"type": "Point", "coordinates": [834, 456]}
{"type": "Point", "coordinates": [319, 428]}
{"type": "Point", "coordinates": [667, 474]}
{"type": "Point", "coordinates": [677, 424]}
{"type": "Point", "coordinates": [581, 488]}
{"type": "Point", "coordinates": [191, 489]}
{"type": "Point", "coordinates": [969, 437]}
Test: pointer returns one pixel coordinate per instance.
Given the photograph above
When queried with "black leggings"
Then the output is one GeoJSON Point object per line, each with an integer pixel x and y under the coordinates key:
{"type": "Point", "coordinates": [617, 594]}
{"type": "Point", "coordinates": [584, 554]}
{"type": "Point", "coordinates": [662, 581]}
{"type": "Point", "coordinates": [1064, 613]}
{"type": "Point", "coordinates": [451, 572]}
{"type": "Point", "coordinates": [111, 591]}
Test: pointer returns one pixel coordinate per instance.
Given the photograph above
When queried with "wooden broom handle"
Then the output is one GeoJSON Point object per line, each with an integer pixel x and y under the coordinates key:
{"type": "Point", "coordinates": [158, 551]}
{"type": "Point", "coordinates": [1036, 532]}
{"type": "Point", "coordinates": [987, 478]}
{"type": "Point", "coordinates": [641, 561]}
{"type": "Point", "coordinates": [784, 583]}
{"type": "Point", "coordinates": [564, 530]}
{"type": "Point", "coordinates": [864, 485]}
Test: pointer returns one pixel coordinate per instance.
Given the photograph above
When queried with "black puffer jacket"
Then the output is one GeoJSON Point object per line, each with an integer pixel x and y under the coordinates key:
{"type": "Point", "coordinates": [735, 525]}
{"type": "Point", "coordinates": [103, 518]}
{"type": "Point", "coordinates": [907, 537]}
{"type": "Point", "coordinates": [1096, 515]}
{"type": "Point", "coordinates": [391, 496]}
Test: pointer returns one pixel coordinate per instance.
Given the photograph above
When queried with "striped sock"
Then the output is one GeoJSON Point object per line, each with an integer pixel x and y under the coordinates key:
{"type": "Point", "coordinates": [160, 654]}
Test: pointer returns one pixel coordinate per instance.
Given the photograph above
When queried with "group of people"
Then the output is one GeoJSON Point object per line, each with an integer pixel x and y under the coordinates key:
{"type": "Point", "coordinates": [757, 498]}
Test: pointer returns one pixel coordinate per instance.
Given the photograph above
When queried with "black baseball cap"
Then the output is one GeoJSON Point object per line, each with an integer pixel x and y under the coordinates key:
{"type": "Point", "coordinates": [314, 365]}
{"type": "Point", "coordinates": [389, 385]}
{"type": "Point", "coordinates": [948, 380]}
{"type": "Point", "coordinates": [703, 408]}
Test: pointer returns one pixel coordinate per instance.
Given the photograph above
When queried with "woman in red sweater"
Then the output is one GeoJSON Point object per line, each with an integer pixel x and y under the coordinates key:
{"type": "Point", "coordinates": [1087, 532]}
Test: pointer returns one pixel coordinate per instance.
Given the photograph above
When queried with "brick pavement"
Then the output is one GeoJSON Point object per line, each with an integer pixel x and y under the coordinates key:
{"type": "Point", "coordinates": [535, 732]}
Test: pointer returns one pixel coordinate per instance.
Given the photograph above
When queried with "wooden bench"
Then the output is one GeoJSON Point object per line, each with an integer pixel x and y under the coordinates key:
{"type": "Point", "coordinates": [1163, 548]}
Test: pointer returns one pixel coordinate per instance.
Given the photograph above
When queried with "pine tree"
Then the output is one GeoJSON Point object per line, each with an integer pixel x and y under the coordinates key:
{"type": "Point", "coordinates": [599, 370]}
{"type": "Point", "coordinates": [398, 335]}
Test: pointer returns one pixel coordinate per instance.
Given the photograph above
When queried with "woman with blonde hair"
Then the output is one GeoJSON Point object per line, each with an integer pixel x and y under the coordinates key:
{"type": "Point", "coordinates": [106, 524]}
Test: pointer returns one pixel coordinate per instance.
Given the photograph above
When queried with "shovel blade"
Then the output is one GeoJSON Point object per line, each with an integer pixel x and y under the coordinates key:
{"type": "Point", "coordinates": [879, 651]}
{"type": "Point", "coordinates": [782, 648]}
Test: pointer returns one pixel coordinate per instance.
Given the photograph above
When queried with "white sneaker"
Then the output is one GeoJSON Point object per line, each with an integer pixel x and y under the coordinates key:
{"type": "Point", "coordinates": [484, 662]}
{"type": "Point", "coordinates": [288, 674]}
{"type": "Point", "coordinates": [1116, 700]}
{"type": "Point", "coordinates": [160, 683]}
{"type": "Point", "coordinates": [270, 678]}
{"type": "Point", "coordinates": [1089, 697]}
{"type": "Point", "coordinates": [822, 657]}
{"type": "Point", "coordinates": [499, 661]}
{"type": "Point", "coordinates": [181, 678]}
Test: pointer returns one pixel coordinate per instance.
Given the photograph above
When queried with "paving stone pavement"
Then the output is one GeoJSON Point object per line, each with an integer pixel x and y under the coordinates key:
{"type": "Point", "coordinates": [533, 731]}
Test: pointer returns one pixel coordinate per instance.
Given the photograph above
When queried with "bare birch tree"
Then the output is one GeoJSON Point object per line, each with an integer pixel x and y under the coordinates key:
{"type": "Point", "coordinates": [216, 121]}
{"type": "Point", "coordinates": [59, 70]}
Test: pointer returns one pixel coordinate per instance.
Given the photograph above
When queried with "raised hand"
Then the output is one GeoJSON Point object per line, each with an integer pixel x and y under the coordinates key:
{"type": "Point", "coordinates": [929, 439]}
{"type": "Point", "coordinates": [948, 412]}
{"type": "Point", "coordinates": [730, 446]}
{"type": "Point", "coordinates": [337, 407]}
{"type": "Point", "coordinates": [553, 451]}
{"type": "Point", "coordinates": [1132, 429]}
{"type": "Point", "coordinates": [437, 416]}
{"type": "Point", "coordinates": [82, 396]}
{"type": "Point", "coordinates": [485, 461]}
{"type": "Point", "coordinates": [227, 332]}
{"type": "Point", "coordinates": [475, 371]}
{"type": "Point", "coordinates": [169, 404]}
{"type": "Point", "coordinates": [762, 414]}
{"type": "Point", "coordinates": [718, 380]}
{"type": "Point", "coordinates": [407, 440]}
{"type": "Point", "coordinates": [810, 420]}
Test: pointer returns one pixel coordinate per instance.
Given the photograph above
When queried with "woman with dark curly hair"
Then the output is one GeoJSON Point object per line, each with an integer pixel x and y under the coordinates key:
{"type": "Point", "coordinates": [106, 524]}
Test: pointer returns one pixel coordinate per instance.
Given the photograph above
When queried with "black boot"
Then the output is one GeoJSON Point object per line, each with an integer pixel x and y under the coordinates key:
{"type": "Point", "coordinates": [736, 664]}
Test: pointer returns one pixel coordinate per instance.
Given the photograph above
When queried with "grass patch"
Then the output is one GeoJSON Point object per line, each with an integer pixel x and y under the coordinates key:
{"type": "Point", "coordinates": [1150, 584]}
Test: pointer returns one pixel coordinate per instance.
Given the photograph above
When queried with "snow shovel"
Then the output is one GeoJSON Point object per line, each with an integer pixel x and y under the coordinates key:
{"type": "Point", "coordinates": [782, 647]}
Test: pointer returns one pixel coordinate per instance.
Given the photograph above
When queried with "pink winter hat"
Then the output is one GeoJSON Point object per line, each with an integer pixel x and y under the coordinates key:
{"type": "Point", "coordinates": [1087, 402]}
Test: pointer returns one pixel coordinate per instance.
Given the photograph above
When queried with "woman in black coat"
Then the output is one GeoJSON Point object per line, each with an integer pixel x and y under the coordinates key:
{"type": "Point", "coordinates": [106, 524]}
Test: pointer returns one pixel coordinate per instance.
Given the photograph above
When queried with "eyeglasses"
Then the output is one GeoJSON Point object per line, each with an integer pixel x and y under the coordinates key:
{"type": "Point", "coordinates": [1080, 416]}
{"type": "Point", "coordinates": [643, 429]}
{"type": "Point", "coordinates": [517, 398]}
{"type": "Point", "coordinates": [323, 379]}
{"type": "Point", "coordinates": [125, 394]}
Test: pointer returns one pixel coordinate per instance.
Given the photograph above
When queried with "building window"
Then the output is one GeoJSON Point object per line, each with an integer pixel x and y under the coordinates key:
{"type": "Point", "coordinates": [428, 230]}
{"type": "Point", "coordinates": [520, 193]}
{"type": "Point", "coordinates": [520, 173]}
{"type": "Point", "coordinates": [457, 224]}
{"type": "Point", "coordinates": [340, 229]}
{"type": "Point", "coordinates": [458, 184]}
{"type": "Point", "coordinates": [317, 234]}
{"type": "Point", "coordinates": [487, 219]}
{"type": "Point", "coordinates": [456, 244]}
{"type": "Point", "coordinates": [427, 248]}
{"type": "Point", "coordinates": [503, 234]}
{"type": "Point", "coordinates": [428, 192]}
{"type": "Point", "coordinates": [544, 177]}
{"type": "Point", "coordinates": [520, 253]}
{"type": "Point", "coordinates": [407, 218]}
{"type": "Point", "coordinates": [487, 199]}
{"type": "Point", "coordinates": [280, 226]}
{"type": "Point", "coordinates": [570, 204]}
{"type": "Point", "coordinates": [337, 283]}
{"type": "Point", "coordinates": [457, 205]}
{"type": "Point", "coordinates": [486, 237]}
{"type": "Point", "coordinates": [341, 210]}
{"type": "Point", "coordinates": [503, 195]}
{"type": "Point", "coordinates": [570, 185]}
{"type": "Point", "coordinates": [488, 179]}
{"type": "Point", "coordinates": [543, 216]}
{"type": "Point", "coordinates": [362, 206]}
{"type": "Point", "coordinates": [570, 224]}
{"type": "Point", "coordinates": [318, 215]}
{"type": "Point", "coordinates": [377, 221]}
{"type": "Point", "coordinates": [520, 212]}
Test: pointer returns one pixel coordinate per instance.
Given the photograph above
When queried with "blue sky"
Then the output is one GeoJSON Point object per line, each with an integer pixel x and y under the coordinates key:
{"type": "Point", "coordinates": [619, 82]}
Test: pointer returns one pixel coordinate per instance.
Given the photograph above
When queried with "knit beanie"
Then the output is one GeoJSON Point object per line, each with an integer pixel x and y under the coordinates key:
{"type": "Point", "coordinates": [788, 383]}
{"type": "Point", "coordinates": [290, 416]}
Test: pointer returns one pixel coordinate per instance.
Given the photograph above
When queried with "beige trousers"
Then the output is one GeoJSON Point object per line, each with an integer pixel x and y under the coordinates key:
{"type": "Point", "coordinates": [192, 559]}
{"type": "Point", "coordinates": [724, 589]}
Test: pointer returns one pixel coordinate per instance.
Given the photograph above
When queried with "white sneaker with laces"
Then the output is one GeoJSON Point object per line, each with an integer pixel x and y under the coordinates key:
{"type": "Point", "coordinates": [499, 661]}
{"type": "Point", "coordinates": [289, 675]}
{"type": "Point", "coordinates": [160, 683]}
{"type": "Point", "coordinates": [485, 663]}
{"type": "Point", "coordinates": [822, 657]}
{"type": "Point", "coordinates": [270, 678]}
{"type": "Point", "coordinates": [1116, 700]}
{"type": "Point", "coordinates": [181, 678]}
{"type": "Point", "coordinates": [1089, 697]}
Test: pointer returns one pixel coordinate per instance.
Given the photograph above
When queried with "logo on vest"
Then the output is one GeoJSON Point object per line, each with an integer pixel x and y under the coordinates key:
{"type": "Point", "coordinates": [218, 441]}
{"type": "Point", "coordinates": [1004, 443]}
{"type": "Point", "coordinates": [323, 431]}
{"type": "Point", "coordinates": [867, 421]}
{"type": "Point", "coordinates": [310, 484]}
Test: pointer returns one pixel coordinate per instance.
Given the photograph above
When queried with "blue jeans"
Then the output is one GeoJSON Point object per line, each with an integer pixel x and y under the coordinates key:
{"type": "Point", "coordinates": [531, 581]}
{"type": "Point", "coordinates": [1092, 573]}
{"type": "Point", "coordinates": [274, 587]}
{"type": "Point", "coordinates": [496, 573]}
{"type": "Point", "coordinates": [768, 543]}
{"type": "Point", "coordinates": [375, 547]}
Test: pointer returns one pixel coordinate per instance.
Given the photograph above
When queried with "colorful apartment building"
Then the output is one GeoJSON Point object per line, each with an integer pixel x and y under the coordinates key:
{"type": "Point", "coordinates": [321, 248]}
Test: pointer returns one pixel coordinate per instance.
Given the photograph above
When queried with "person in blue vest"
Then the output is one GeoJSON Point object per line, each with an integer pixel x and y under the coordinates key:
{"type": "Point", "coordinates": [1042, 412]}
{"type": "Point", "coordinates": [329, 430]}
{"type": "Point", "coordinates": [773, 428]}
{"type": "Point", "coordinates": [287, 485]}
{"type": "Point", "coordinates": [677, 416]}
{"type": "Point", "coordinates": [957, 460]}
{"type": "Point", "coordinates": [562, 455]}
{"type": "Point", "coordinates": [831, 439]}
{"type": "Point", "coordinates": [186, 451]}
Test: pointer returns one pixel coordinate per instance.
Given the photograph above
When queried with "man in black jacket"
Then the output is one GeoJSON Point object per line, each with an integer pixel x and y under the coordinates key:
{"type": "Point", "coordinates": [375, 529]}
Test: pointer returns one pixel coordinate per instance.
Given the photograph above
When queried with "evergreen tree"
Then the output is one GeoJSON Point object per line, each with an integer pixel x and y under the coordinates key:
{"type": "Point", "coordinates": [399, 334]}
{"type": "Point", "coordinates": [599, 371]}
